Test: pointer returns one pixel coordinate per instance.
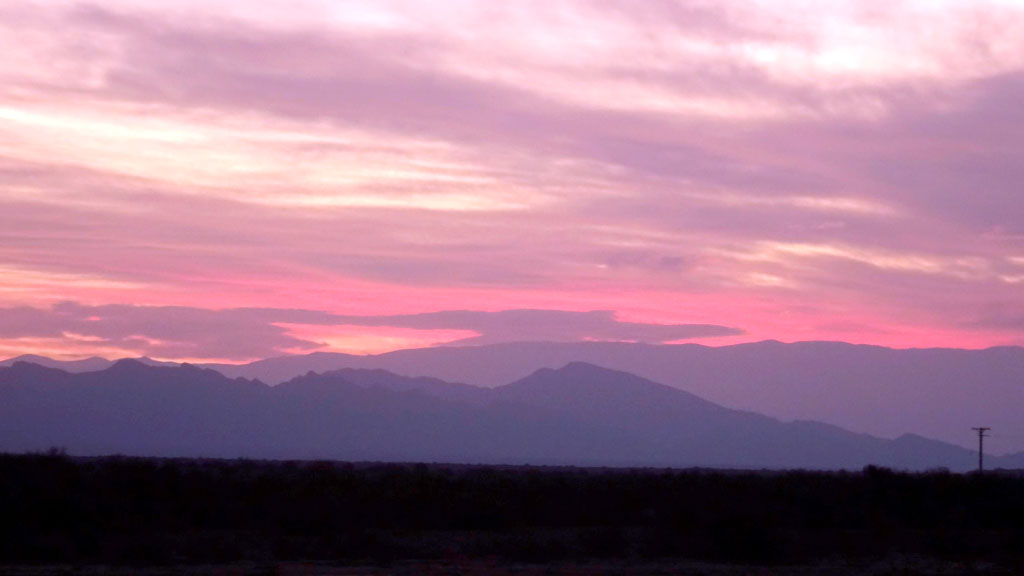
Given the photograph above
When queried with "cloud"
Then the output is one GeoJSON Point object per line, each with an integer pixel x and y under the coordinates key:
{"type": "Point", "coordinates": [396, 158]}
{"type": "Point", "coordinates": [165, 332]}
{"type": "Point", "coordinates": [544, 325]}
{"type": "Point", "coordinates": [178, 332]}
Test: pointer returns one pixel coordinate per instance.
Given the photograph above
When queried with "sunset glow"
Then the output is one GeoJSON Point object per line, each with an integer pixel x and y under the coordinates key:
{"type": "Point", "coordinates": [229, 181]}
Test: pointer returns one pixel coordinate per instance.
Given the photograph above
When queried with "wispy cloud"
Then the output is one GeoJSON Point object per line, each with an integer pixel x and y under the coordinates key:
{"type": "Point", "coordinates": [247, 333]}
{"type": "Point", "coordinates": [768, 165]}
{"type": "Point", "coordinates": [546, 325]}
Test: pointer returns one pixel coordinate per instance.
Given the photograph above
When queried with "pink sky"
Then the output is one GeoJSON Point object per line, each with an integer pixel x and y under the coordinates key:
{"type": "Point", "coordinates": [234, 180]}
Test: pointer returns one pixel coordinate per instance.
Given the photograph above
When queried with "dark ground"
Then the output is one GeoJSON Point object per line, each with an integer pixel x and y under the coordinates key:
{"type": "Point", "coordinates": [62, 515]}
{"type": "Point", "coordinates": [892, 567]}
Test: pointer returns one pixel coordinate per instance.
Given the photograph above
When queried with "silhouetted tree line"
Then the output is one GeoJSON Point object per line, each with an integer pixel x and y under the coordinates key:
{"type": "Point", "coordinates": [127, 510]}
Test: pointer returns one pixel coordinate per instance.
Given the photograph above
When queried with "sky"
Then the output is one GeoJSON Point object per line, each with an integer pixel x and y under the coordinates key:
{"type": "Point", "coordinates": [227, 181]}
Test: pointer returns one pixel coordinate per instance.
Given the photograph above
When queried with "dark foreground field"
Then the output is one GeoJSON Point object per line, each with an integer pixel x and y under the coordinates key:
{"type": "Point", "coordinates": [62, 514]}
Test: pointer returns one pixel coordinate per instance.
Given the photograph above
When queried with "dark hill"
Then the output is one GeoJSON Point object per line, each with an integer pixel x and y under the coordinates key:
{"type": "Point", "coordinates": [580, 414]}
{"type": "Point", "coordinates": [937, 393]}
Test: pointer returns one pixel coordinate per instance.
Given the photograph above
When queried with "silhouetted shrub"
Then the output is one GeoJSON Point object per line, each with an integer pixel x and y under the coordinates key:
{"type": "Point", "coordinates": [58, 509]}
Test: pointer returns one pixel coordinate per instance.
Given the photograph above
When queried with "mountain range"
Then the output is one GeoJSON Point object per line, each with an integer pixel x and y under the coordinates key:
{"type": "Point", "coordinates": [937, 393]}
{"type": "Point", "coordinates": [578, 414]}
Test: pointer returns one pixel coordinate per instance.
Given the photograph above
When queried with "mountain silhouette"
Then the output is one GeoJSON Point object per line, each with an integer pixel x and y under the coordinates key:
{"type": "Point", "coordinates": [580, 414]}
{"type": "Point", "coordinates": [85, 365]}
{"type": "Point", "coordinates": [937, 393]}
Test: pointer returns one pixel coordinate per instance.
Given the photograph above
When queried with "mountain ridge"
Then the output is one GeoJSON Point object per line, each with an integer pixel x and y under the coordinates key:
{"type": "Point", "coordinates": [580, 414]}
{"type": "Point", "coordinates": [936, 392]}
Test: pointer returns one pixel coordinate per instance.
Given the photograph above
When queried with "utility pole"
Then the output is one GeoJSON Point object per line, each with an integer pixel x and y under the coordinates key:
{"type": "Point", "coordinates": [981, 448]}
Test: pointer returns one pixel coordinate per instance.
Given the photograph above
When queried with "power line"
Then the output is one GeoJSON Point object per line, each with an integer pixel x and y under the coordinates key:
{"type": "Point", "coordinates": [981, 447]}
